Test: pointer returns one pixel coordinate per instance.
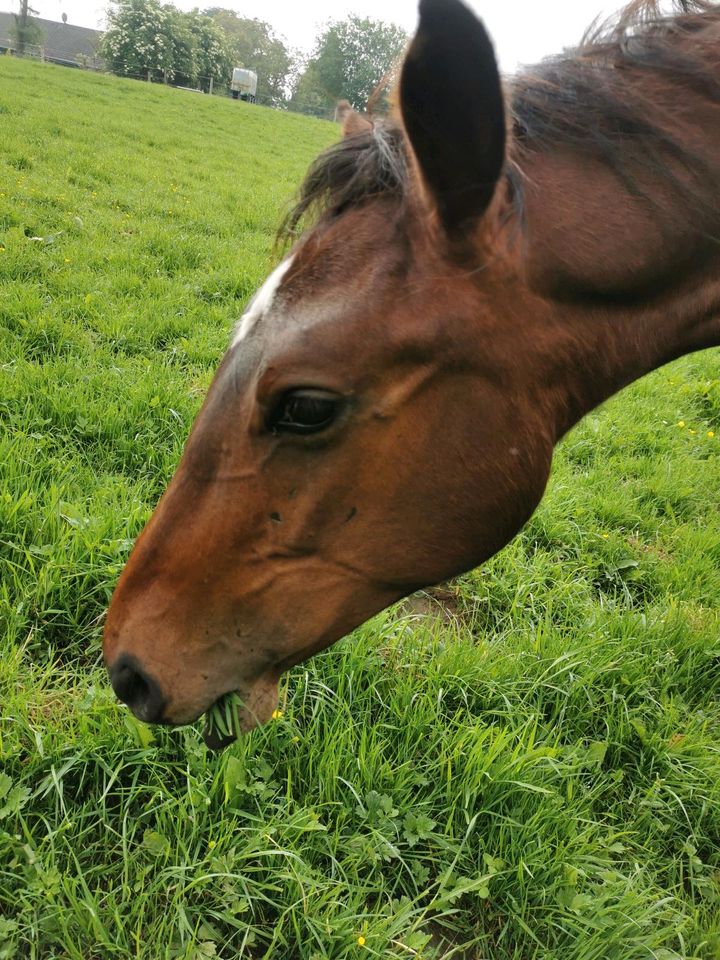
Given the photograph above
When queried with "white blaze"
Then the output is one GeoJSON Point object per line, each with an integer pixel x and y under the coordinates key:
{"type": "Point", "coordinates": [261, 302]}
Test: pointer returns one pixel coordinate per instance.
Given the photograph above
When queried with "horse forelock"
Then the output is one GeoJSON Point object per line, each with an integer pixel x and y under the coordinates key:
{"type": "Point", "coordinates": [357, 169]}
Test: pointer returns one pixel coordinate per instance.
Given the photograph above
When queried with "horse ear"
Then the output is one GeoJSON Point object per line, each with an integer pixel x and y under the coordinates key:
{"type": "Point", "coordinates": [342, 109]}
{"type": "Point", "coordinates": [452, 108]}
{"type": "Point", "coordinates": [350, 120]}
{"type": "Point", "coordinates": [354, 122]}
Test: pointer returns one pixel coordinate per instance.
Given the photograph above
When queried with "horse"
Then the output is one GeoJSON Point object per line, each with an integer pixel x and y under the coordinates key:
{"type": "Point", "coordinates": [465, 281]}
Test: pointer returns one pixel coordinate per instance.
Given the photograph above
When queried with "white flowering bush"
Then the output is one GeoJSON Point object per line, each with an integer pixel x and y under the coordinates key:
{"type": "Point", "coordinates": [213, 50]}
{"type": "Point", "coordinates": [156, 41]}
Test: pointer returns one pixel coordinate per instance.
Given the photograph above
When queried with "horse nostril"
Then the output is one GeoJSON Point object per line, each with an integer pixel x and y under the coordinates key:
{"type": "Point", "coordinates": [138, 690]}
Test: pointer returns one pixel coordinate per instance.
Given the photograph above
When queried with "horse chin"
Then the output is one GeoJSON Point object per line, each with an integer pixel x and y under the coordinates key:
{"type": "Point", "coordinates": [258, 704]}
{"type": "Point", "coordinates": [214, 740]}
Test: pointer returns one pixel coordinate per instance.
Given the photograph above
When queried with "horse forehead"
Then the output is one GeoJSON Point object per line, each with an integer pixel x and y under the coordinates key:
{"type": "Point", "coordinates": [261, 304]}
{"type": "Point", "coordinates": [307, 294]}
{"type": "Point", "coordinates": [345, 272]}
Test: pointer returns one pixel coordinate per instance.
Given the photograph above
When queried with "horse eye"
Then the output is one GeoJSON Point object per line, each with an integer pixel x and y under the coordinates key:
{"type": "Point", "coordinates": [304, 411]}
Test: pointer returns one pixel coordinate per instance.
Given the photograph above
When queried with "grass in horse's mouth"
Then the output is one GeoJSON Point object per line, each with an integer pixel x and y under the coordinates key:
{"type": "Point", "coordinates": [222, 721]}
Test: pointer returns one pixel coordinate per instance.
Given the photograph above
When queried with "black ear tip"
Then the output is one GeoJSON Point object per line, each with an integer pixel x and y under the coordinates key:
{"type": "Point", "coordinates": [444, 17]}
{"type": "Point", "coordinates": [443, 8]}
{"type": "Point", "coordinates": [428, 6]}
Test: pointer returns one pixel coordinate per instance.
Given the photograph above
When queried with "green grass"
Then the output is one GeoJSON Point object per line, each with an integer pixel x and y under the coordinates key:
{"type": "Point", "coordinates": [540, 779]}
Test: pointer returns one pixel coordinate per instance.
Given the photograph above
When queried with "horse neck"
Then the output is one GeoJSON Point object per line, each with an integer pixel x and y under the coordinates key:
{"type": "Point", "coordinates": [617, 285]}
{"type": "Point", "coordinates": [582, 355]}
{"type": "Point", "coordinates": [620, 174]}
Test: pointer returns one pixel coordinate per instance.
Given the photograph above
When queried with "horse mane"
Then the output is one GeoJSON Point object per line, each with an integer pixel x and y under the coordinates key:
{"type": "Point", "coordinates": [594, 97]}
{"type": "Point", "coordinates": [587, 97]}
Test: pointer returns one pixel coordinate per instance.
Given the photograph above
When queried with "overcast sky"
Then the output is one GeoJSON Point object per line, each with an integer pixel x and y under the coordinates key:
{"type": "Point", "coordinates": [523, 30]}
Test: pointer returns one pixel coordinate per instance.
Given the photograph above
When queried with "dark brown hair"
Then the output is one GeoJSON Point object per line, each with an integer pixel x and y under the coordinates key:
{"type": "Point", "coordinates": [586, 98]}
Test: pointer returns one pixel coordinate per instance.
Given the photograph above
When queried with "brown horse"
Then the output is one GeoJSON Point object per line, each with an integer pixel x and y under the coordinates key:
{"type": "Point", "coordinates": [480, 273]}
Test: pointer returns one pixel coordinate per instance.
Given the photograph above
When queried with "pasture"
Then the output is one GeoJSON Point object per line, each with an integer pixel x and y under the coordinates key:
{"type": "Point", "coordinates": [533, 774]}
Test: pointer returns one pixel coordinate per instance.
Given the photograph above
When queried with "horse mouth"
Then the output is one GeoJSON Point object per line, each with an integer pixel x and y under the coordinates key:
{"type": "Point", "coordinates": [238, 712]}
{"type": "Point", "coordinates": [225, 721]}
{"type": "Point", "coordinates": [216, 741]}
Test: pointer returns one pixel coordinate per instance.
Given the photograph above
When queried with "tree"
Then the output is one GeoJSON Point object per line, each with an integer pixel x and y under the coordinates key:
{"type": "Point", "coordinates": [183, 58]}
{"type": "Point", "coordinates": [255, 46]}
{"type": "Point", "coordinates": [138, 40]}
{"type": "Point", "coordinates": [213, 52]}
{"type": "Point", "coordinates": [309, 96]}
{"type": "Point", "coordinates": [27, 31]}
{"type": "Point", "coordinates": [146, 38]}
{"type": "Point", "coordinates": [352, 58]}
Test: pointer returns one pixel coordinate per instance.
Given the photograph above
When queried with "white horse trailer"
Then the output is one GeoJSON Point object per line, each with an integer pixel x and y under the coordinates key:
{"type": "Point", "coordinates": [243, 85]}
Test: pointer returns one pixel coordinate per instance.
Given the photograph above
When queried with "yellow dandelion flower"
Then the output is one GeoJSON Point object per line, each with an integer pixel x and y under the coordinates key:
{"type": "Point", "coordinates": [711, 433]}
{"type": "Point", "coordinates": [681, 423]}
{"type": "Point", "coordinates": [361, 941]}
{"type": "Point", "coordinates": [606, 536]}
{"type": "Point", "coordinates": [276, 714]}
{"type": "Point", "coordinates": [693, 432]}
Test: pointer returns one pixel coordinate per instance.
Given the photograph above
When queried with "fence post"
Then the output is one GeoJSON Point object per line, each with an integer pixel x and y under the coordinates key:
{"type": "Point", "coordinates": [211, 86]}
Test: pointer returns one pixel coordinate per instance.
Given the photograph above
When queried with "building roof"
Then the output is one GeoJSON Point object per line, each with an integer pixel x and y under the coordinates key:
{"type": "Point", "coordinates": [61, 42]}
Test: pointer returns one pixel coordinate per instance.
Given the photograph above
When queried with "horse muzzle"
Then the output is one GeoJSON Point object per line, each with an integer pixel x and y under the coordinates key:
{"type": "Point", "coordinates": [135, 687]}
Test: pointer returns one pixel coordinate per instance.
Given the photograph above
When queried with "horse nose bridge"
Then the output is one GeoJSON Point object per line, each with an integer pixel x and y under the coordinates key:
{"type": "Point", "coordinates": [137, 688]}
{"type": "Point", "coordinates": [181, 541]}
{"type": "Point", "coordinates": [166, 560]}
